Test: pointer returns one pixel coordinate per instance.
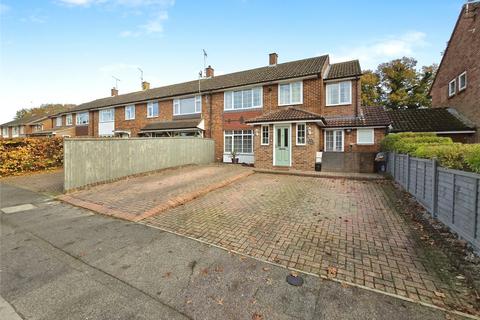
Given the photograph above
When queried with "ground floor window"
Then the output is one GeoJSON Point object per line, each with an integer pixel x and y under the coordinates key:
{"type": "Point", "coordinates": [365, 136]}
{"type": "Point", "coordinates": [240, 141]}
{"type": "Point", "coordinates": [334, 140]}
{"type": "Point", "coordinates": [170, 134]}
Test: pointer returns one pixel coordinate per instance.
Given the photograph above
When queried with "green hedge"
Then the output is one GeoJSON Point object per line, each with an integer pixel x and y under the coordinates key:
{"type": "Point", "coordinates": [429, 146]}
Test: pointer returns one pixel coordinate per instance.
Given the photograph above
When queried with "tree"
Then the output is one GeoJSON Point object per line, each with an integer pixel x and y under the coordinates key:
{"type": "Point", "coordinates": [43, 109]}
{"type": "Point", "coordinates": [371, 92]}
{"type": "Point", "coordinates": [400, 84]}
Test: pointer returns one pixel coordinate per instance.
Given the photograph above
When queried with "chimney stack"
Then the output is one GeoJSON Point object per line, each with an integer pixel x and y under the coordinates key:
{"type": "Point", "coordinates": [209, 72]}
{"type": "Point", "coordinates": [145, 85]}
{"type": "Point", "coordinates": [114, 92]}
{"type": "Point", "coordinates": [273, 57]}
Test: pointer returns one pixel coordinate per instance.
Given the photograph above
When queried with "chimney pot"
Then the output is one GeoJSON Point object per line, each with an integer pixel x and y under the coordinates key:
{"type": "Point", "coordinates": [114, 92]}
{"type": "Point", "coordinates": [145, 85]}
{"type": "Point", "coordinates": [209, 72]}
{"type": "Point", "coordinates": [273, 58]}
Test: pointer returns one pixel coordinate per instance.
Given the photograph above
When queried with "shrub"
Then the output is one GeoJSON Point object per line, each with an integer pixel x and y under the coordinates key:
{"type": "Point", "coordinates": [30, 154]}
{"type": "Point", "coordinates": [472, 157]}
{"type": "Point", "coordinates": [448, 156]}
{"type": "Point", "coordinates": [408, 142]}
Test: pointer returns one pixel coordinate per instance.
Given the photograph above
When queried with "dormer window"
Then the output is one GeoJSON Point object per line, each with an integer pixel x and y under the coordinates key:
{"type": "Point", "coordinates": [452, 86]}
{"type": "Point", "coordinates": [290, 93]}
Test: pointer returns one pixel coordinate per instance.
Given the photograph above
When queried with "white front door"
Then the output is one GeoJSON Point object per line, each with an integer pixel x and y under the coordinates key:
{"type": "Point", "coordinates": [106, 123]}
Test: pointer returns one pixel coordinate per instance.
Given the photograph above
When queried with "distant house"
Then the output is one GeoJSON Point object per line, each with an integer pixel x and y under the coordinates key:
{"type": "Point", "coordinates": [442, 121]}
{"type": "Point", "coordinates": [457, 83]}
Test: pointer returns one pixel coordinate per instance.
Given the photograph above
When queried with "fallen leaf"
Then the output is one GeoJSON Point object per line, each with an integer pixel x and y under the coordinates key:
{"type": "Point", "coordinates": [220, 301]}
{"type": "Point", "coordinates": [189, 301]}
{"type": "Point", "coordinates": [204, 271]}
{"type": "Point", "coordinates": [167, 275]}
{"type": "Point", "coordinates": [253, 301]}
{"type": "Point", "coordinates": [268, 281]}
{"type": "Point", "coordinates": [439, 294]}
{"type": "Point", "coordinates": [332, 272]}
{"type": "Point", "coordinates": [257, 316]}
{"type": "Point", "coordinates": [294, 274]}
{"type": "Point", "coordinates": [344, 285]}
{"type": "Point", "coordinates": [460, 277]}
{"type": "Point", "coordinates": [218, 269]}
{"type": "Point", "coordinates": [265, 268]}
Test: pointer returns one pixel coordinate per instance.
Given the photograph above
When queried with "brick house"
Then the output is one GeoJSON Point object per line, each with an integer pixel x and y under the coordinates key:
{"type": "Point", "coordinates": [25, 127]}
{"type": "Point", "coordinates": [457, 82]}
{"type": "Point", "coordinates": [227, 108]}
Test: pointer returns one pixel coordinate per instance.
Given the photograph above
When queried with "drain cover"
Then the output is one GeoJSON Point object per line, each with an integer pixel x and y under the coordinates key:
{"type": "Point", "coordinates": [296, 281]}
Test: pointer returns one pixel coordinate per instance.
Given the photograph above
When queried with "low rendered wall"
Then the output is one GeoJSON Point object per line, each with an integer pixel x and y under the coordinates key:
{"type": "Point", "coordinates": [91, 161]}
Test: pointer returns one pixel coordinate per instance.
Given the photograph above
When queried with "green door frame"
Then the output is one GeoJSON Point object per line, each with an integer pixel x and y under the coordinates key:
{"type": "Point", "coordinates": [282, 145]}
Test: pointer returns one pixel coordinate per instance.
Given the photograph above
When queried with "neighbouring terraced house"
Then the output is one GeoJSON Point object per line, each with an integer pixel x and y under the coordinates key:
{"type": "Point", "coordinates": [277, 116]}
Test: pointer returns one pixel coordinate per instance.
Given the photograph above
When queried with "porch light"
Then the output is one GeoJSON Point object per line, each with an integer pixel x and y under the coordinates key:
{"type": "Point", "coordinates": [256, 132]}
{"type": "Point", "coordinates": [309, 130]}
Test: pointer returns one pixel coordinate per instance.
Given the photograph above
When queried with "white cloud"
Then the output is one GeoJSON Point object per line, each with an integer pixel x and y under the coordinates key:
{"type": "Point", "coordinates": [383, 50]}
{"type": "Point", "coordinates": [153, 26]}
{"type": "Point", "coordinates": [78, 2]}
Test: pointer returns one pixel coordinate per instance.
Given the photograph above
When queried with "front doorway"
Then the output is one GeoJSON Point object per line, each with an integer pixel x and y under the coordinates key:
{"type": "Point", "coordinates": [282, 145]}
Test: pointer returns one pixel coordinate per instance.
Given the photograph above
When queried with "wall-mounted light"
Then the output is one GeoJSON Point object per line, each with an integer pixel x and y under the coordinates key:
{"type": "Point", "coordinates": [256, 131]}
{"type": "Point", "coordinates": [309, 130]}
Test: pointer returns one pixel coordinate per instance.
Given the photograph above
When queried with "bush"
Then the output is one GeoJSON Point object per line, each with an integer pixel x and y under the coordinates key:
{"type": "Point", "coordinates": [30, 154]}
{"type": "Point", "coordinates": [429, 146]}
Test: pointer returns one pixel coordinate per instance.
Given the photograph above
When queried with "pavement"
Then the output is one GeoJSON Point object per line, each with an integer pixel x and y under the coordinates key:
{"type": "Point", "coordinates": [46, 182]}
{"type": "Point", "coordinates": [64, 262]}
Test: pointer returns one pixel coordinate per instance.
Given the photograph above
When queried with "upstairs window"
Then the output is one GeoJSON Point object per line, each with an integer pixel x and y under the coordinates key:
{"type": "Point", "coordinates": [107, 115]}
{"type": "Point", "coordinates": [190, 105]}
{"type": "Point", "coordinates": [152, 109]}
{"type": "Point", "coordinates": [462, 81]}
{"type": "Point", "coordinates": [130, 112]}
{"type": "Point", "coordinates": [68, 119]}
{"type": "Point", "coordinates": [58, 121]}
{"type": "Point", "coordinates": [339, 93]}
{"type": "Point", "coordinates": [82, 118]}
{"type": "Point", "coordinates": [243, 99]}
{"type": "Point", "coordinates": [290, 93]}
{"type": "Point", "coordinates": [301, 133]}
{"type": "Point", "coordinates": [452, 86]}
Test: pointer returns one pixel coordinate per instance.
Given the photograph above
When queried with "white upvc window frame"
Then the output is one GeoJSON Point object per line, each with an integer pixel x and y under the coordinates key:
{"type": "Point", "coordinates": [340, 103]}
{"type": "Point", "coordinates": [304, 132]}
{"type": "Point", "coordinates": [290, 103]}
{"type": "Point", "coordinates": [68, 119]}
{"type": "Point", "coordinates": [450, 92]}
{"type": "Point", "coordinates": [103, 112]}
{"type": "Point", "coordinates": [230, 94]}
{"type": "Point", "coordinates": [262, 141]}
{"type": "Point", "coordinates": [130, 113]}
{"type": "Point", "coordinates": [150, 109]}
{"type": "Point", "coordinates": [336, 131]}
{"type": "Point", "coordinates": [78, 118]}
{"type": "Point", "coordinates": [369, 142]}
{"type": "Point", "coordinates": [14, 132]}
{"type": "Point", "coordinates": [177, 105]}
{"type": "Point", "coordinates": [4, 131]}
{"type": "Point", "coordinates": [58, 121]}
{"type": "Point", "coordinates": [232, 134]}
{"type": "Point", "coordinates": [463, 74]}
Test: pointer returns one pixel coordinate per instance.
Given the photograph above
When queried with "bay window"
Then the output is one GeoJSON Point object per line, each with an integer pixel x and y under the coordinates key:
{"type": "Point", "coordinates": [365, 136]}
{"type": "Point", "coordinates": [301, 133]}
{"type": "Point", "coordinates": [339, 93]}
{"type": "Point", "coordinates": [152, 109]}
{"type": "Point", "coordinates": [130, 112]}
{"type": "Point", "coordinates": [334, 140]}
{"type": "Point", "coordinates": [265, 135]}
{"type": "Point", "coordinates": [243, 99]}
{"type": "Point", "coordinates": [190, 105]}
{"type": "Point", "coordinates": [82, 118]}
{"type": "Point", "coordinates": [240, 141]}
{"type": "Point", "coordinates": [290, 93]}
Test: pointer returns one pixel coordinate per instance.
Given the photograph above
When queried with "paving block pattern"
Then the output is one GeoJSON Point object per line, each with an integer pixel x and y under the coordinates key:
{"type": "Point", "coordinates": [137, 198]}
{"type": "Point", "coordinates": [344, 229]}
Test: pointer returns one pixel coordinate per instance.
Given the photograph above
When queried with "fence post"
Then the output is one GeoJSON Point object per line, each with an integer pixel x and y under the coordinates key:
{"type": "Point", "coordinates": [393, 165]}
{"type": "Point", "coordinates": [434, 188]}
{"type": "Point", "coordinates": [475, 229]}
{"type": "Point", "coordinates": [407, 180]}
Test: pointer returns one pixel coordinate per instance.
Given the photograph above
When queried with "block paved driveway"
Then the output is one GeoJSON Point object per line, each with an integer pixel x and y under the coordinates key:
{"type": "Point", "coordinates": [139, 197]}
{"type": "Point", "coordinates": [343, 229]}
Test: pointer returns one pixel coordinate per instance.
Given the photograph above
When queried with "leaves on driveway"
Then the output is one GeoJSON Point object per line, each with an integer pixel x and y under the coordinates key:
{"type": "Point", "coordinates": [332, 272]}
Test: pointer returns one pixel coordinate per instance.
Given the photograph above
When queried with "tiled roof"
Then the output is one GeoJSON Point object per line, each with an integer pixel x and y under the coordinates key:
{"type": "Point", "coordinates": [427, 120]}
{"type": "Point", "coordinates": [25, 120]}
{"type": "Point", "coordinates": [344, 69]}
{"type": "Point", "coordinates": [172, 125]}
{"type": "Point", "coordinates": [368, 117]}
{"type": "Point", "coordinates": [293, 69]}
{"type": "Point", "coordinates": [286, 114]}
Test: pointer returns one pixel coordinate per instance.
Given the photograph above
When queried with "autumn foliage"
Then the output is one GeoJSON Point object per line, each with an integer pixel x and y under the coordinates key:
{"type": "Point", "coordinates": [29, 154]}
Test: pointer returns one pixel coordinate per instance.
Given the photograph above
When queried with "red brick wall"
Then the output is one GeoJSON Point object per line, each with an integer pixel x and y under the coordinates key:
{"type": "Point", "coordinates": [463, 54]}
{"type": "Point", "coordinates": [343, 110]}
{"type": "Point", "coordinates": [352, 146]}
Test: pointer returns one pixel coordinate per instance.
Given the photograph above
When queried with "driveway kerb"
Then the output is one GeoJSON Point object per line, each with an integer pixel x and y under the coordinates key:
{"type": "Point", "coordinates": [459, 313]}
{"type": "Point", "coordinates": [170, 204]}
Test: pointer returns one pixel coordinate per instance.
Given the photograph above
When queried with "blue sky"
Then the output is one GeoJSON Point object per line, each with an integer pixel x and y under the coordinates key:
{"type": "Point", "coordinates": [66, 51]}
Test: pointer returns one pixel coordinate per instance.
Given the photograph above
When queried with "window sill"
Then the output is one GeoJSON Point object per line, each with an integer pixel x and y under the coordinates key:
{"type": "Point", "coordinates": [365, 144]}
{"type": "Point", "coordinates": [338, 105]}
{"type": "Point", "coordinates": [129, 119]}
{"type": "Point", "coordinates": [290, 104]}
{"type": "Point", "coordinates": [152, 117]}
{"type": "Point", "coordinates": [242, 110]}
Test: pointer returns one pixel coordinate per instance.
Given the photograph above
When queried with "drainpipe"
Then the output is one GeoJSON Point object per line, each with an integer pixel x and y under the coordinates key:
{"type": "Point", "coordinates": [210, 113]}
